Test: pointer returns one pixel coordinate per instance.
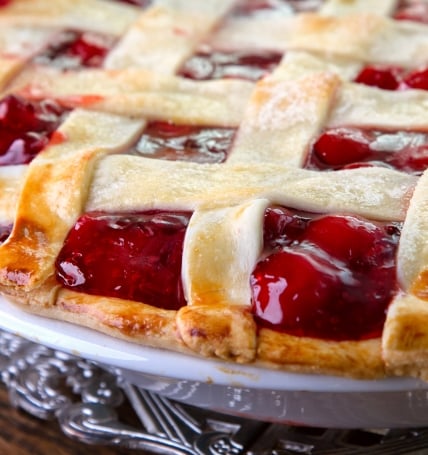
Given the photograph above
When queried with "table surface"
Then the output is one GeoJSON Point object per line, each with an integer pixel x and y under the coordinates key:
{"type": "Point", "coordinates": [23, 434]}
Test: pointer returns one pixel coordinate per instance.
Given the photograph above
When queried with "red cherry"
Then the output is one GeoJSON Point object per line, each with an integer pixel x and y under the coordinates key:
{"type": "Point", "coordinates": [348, 148]}
{"type": "Point", "coordinates": [333, 281]}
{"type": "Point", "coordinates": [387, 78]}
{"type": "Point", "coordinates": [75, 49]}
{"type": "Point", "coordinates": [341, 146]}
{"type": "Point", "coordinates": [135, 256]}
{"type": "Point", "coordinates": [90, 52]}
{"type": "Point", "coordinates": [411, 159]}
{"type": "Point", "coordinates": [282, 227]}
{"type": "Point", "coordinates": [417, 79]}
{"type": "Point", "coordinates": [25, 128]}
{"type": "Point", "coordinates": [292, 290]}
{"type": "Point", "coordinates": [347, 238]}
{"type": "Point", "coordinates": [141, 3]}
{"type": "Point", "coordinates": [17, 114]}
{"type": "Point", "coordinates": [413, 11]}
{"type": "Point", "coordinates": [5, 231]}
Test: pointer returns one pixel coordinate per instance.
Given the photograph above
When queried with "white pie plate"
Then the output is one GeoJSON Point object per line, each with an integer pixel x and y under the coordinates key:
{"type": "Point", "coordinates": [303, 399]}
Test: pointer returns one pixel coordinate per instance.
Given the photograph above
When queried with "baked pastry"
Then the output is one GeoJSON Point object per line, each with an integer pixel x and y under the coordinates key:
{"type": "Point", "coordinates": [218, 178]}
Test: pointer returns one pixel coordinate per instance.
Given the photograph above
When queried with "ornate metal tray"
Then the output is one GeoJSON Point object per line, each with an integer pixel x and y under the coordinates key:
{"type": "Point", "coordinates": [97, 406]}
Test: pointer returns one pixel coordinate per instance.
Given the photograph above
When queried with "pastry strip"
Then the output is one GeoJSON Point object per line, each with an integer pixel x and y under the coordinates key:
{"type": "Point", "coordinates": [47, 207]}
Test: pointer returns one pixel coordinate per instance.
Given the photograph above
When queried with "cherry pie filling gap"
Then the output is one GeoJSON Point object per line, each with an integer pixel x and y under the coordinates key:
{"type": "Point", "coordinates": [75, 49]}
{"type": "Point", "coordinates": [250, 8]}
{"type": "Point", "coordinates": [389, 77]}
{"type": "Point", "coordinates": [326, 276]}
{"type": "Point", "coordinates": [209, 63]}
{"type": "Point", "coordinates": [170, 141]}
{"type": "Point", "coordinates": [26, 128]}
{"type": "Point", "coordinates": [347, 148]}
{"type": "Point", "coordinates": [217, 64]}
{"type": "Point", "coordinates": [137, 257]}
{"type": "Point", "coordinates": [140, 3]}
{"type": "Point", "coordinates": [412, 10]}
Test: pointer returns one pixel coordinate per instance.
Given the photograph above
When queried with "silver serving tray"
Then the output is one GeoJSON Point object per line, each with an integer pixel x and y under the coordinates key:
{"type": "Point", "coordinates": [97, 406]}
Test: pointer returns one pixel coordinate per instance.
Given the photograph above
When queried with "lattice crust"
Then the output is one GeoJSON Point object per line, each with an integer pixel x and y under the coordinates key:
{"type": "Point", "coordinates": [94, 15]}
{"type": "Point", "coordinates": [363, 37]}
{"type": "Point", "coordinates": [298, 109]}
{"type": "Point", "coordinates": [405, 340]}
{"type": "Point", "coordinates": [86, 167]}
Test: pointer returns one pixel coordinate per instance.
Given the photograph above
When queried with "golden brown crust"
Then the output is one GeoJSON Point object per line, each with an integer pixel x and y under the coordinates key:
{"type": "Point", "coordinates": [218, 330]}
{"type": "Point", "coordinates": [405, 338]}
{"type": "Point", "coordinates": [358, 359]}
{"type": "Point", "coordinates": [54, 193]}
{"type": "Point", "coordinates": [128, 320]}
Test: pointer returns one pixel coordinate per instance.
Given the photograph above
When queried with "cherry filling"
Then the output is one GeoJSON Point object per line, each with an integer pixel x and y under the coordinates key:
{"type": "Point", "coordinates": [258, 7]}
{"type": "Point", "coordinates": [412, 10]}
{"type": "Point", "coordinates": [325, 276]}
{"type": "Point", "coordinates": [141, 3]}
{"type": "Point", "coordinates": [237, 65]}
{"type": "Point", "coordinates": [168, 141]}
{"type": "Point", "coordinates": [134, 256]}
{"type": "Point", "coordinates": [393, 78]}
{"type": "Point", "coordinates": [345, 148]}
{"type": "Point", "coordinates": [5, 231]}
{"type": "Point", "coordinates": [76, 49]}
{"type": "Point", "coordinates": [4, 2]}
{"type": "Point", "coordinates": [26, 128]}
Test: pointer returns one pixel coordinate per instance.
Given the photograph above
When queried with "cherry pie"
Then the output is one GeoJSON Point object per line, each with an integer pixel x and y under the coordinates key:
{"type": "Point", "coordinates": [240, 180]}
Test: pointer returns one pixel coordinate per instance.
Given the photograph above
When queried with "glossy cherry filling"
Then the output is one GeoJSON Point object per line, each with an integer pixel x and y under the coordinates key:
{"type": "Point", "coordinates": [5, 2]}
{"type": "Point", "coordinates": [347, 148]}
{"type": "Point", "coordinates": [412, 10]}
{"type": "Point", "coordinates": [236, 65]}
{"type": "Point", "coordinates": [169, 141]}
{"type": "Point", "coordinates": [5, 231]}
{"type": "Point", "coordinates": [76, 49]}
{"type": "Point", "coordinates": [134, 256]}
{"type": "Point", "coordinates": [393, 77]}
{"type": "Point", "coordinates": [325, 276]}
{"type": "Point", "coordinates": [258, 7]}
{"type": "Point", "coordinates": [26, 127]}
{"type": "Point", "coordinates": [141, 3]}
